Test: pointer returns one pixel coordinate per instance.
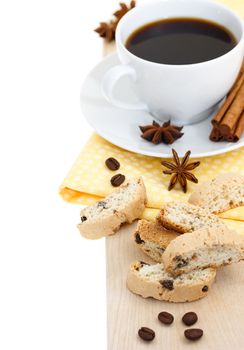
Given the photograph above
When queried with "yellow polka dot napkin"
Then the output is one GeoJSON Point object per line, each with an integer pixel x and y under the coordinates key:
{"type": "Point", "coordinates": [89, 180]}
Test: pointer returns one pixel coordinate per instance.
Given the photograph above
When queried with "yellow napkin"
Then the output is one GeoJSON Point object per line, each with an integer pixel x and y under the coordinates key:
{"type": "Point", "coordinates": [89, 180]}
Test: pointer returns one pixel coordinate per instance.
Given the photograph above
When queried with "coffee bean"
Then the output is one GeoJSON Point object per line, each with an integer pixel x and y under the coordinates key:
{"type": "Point", "coordinates": [190, 318]}
{"type": "Point", "coordinates": [165, 317]}
{"type": "Point", "coordinates": [83, 218]}
{"type": "Point", "coordinates": [112, 164]}
{"type": "Point", "coordinates": [193, 333]}
{"type": "Point", "coordinates": [138, 239]}
{"type": "Point", "coordinates": [205, 289]}
{"type": "Point", "coordinates": [146, 334]}
{"type": "Point", "coordinates": [117, 180]}
{"type": "Point", "coordinates": [168, 284]}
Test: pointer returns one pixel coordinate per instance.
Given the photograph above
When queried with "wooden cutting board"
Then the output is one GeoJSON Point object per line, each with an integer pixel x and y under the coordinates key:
{"type": "Point", "coordinates": [221, 313]}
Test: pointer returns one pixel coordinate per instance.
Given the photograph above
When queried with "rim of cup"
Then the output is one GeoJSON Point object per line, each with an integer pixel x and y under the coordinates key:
{"type": "Point", "coordinates": [131, 13]}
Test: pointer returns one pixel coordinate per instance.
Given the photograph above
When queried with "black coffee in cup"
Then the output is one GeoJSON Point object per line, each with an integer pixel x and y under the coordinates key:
{"type": "Point", "coordinates": [180, 41]}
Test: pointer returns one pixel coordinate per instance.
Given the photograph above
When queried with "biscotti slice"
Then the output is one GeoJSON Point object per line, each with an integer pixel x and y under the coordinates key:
{"type": "Point", "coordinates": [153, 281]}
{"type": "Point", "coordinates": [185, 217]}
{"type": "Point", "coordinates": [123, 205]}
{"type": "Point", "coordinates": [152, 238]}
{"type": "Point", "coordinates": [207, 247]}
{"type": "Point", "coordinates": [225, 192]}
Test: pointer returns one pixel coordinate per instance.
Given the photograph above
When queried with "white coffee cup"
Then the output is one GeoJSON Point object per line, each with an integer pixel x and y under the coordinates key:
{"type": "Point", "coordinates": [183, 93]}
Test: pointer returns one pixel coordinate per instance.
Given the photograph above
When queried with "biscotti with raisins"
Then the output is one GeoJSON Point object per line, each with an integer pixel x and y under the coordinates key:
{"type": "Point", "coordinates": [224, 192]}
{"type": "Point", "coordinates": [184, 217]}
{"type": "Point", "coordinates": [207, 247]}
{"type": "Point", "coordinates": [124, 205]}
{"type": "Point", "coordinates": [153, 281]}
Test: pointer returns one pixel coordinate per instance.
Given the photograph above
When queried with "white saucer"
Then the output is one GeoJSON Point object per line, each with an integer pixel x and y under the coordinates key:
{"type": "Point", "coordinates": [120, 126]}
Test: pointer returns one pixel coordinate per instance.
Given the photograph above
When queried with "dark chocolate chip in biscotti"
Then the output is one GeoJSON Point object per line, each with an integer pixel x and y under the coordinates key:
{"type": "Point", "coordinates": [83, 218]}
{"type": "Point", "coordinates": [205, 289]}
{"type": "Point", "coordinates": [102, 204]}
{"type": "Point", "coordinates": [180, 262]}
{"type": "Point", "coordinates": [168, 284]}
{"type": "Point", "coordinates": [138, 239]}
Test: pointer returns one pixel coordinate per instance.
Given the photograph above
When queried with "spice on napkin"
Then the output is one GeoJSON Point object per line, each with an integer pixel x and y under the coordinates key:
{"type": "Point", "coordinates": [89, 178]}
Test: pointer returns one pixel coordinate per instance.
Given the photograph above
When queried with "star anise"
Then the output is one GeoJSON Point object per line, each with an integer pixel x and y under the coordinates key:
{"type": "Point", "coordinates": [166, 133]}
{"type": "Point", "coordinates": [124, 9]}
{"type": "Point", "coordinates": [107, 30]}
{"type": "Point", "coordinates": [180, 170]}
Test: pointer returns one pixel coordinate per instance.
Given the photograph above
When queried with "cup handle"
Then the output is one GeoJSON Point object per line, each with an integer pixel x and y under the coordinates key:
{"type": "Point", "coordinates": [111, 78]}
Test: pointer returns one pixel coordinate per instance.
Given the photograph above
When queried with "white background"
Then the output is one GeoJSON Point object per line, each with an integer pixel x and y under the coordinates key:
{"type": "Point", "coordinates": [52, 281]}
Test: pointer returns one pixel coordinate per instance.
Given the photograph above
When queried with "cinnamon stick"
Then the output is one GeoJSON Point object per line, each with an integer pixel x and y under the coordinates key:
{"type": "Point", "coordinates": [239, 129]}
{"type": "Point", "coordinates": [228, 123]}
{"type": "Point", "coordinates": [230, 98]}
{"type": "Point", "coordinates": [232, 115]}
{"type": "Point", "coordinates": [215, 135]}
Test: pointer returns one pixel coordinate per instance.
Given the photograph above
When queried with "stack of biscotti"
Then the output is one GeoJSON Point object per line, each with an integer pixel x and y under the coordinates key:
{"type": "Point", "coordinates": [173, 219]}
{"type": "Point", "coordinates": [188, 265]}
{"type": "Point", "coordinates": [189, 243]}
{"type": "Point", "coordinates": [154, 281]}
